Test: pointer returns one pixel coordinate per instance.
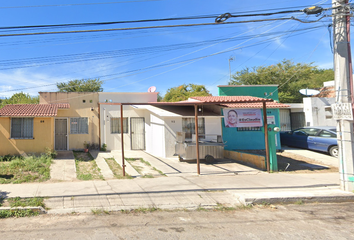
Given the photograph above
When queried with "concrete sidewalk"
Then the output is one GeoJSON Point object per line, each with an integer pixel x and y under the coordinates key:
{"type": "Point", "coordinates": [182, 192]}
{"type": "Point", "coordinates": [222, 183]}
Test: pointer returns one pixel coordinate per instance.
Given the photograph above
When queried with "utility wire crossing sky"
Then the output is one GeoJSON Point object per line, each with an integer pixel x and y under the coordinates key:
{"type": "Point", "coordinates": [45, 43]}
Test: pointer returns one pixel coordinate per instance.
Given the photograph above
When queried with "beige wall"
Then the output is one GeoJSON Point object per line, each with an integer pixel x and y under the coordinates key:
{"type": "Point", "coordinates": [82, 104]}
{"type": "Point", "coordinates": [42, 137]}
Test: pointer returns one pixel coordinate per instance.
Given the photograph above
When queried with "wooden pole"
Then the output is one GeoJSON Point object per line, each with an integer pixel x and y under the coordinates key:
{"type": "Point", "coordinates": [121, 137]}
{"type": "Point", "coordinates": [197, 137]}
{"type": "Point", "coordinates": [266, 135]}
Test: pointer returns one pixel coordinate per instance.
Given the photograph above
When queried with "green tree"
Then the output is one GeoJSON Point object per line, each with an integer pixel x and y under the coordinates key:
{"type": "Point", "coordinates": [159, 97]}
{"type": "Point", "coordinates": [19, 98]}
{"type": "Point", "coordinates": [83, 85]}
{"type": "Point", "coordinates": [289, 76]}
{"type": "Point", "coordinates": [185, 91]}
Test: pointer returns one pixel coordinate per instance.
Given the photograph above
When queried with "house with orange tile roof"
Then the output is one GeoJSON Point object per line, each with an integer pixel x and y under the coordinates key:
{"type": "Point", "coordinates": [28, 128]}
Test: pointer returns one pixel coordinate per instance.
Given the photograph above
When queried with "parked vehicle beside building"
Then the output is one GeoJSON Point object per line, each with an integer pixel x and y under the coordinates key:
{"type": "Point", "coordinates": [322, 139]}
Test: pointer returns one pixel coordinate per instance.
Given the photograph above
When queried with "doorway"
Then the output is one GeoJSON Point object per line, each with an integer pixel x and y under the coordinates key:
{"type": "Point", "coordinates": [137, 133]}
{"type": "Point", "coordinates": [61, 134]}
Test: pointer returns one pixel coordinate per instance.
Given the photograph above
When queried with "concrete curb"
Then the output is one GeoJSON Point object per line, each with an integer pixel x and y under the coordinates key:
{"type": "Point", "coordinates": [291, 200]}
{"type": "Point", "coordinates": [132, 208]}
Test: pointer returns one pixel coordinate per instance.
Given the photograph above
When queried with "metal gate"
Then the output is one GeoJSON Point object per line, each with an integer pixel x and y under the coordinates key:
{"type": "Point", "coordinates": [285, 123]}
{"type": "Point", "coordinates": [61, 134]}
{"type": "Point", "coordinates": [137, 133]}
{"type": "Point", "coordinates": [297, 120]}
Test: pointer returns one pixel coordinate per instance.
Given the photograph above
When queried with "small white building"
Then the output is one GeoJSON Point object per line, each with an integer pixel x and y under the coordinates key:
{"type": "Point", "coordinates": [314, 111]}
{"type": "Point", "coordinates": [151, 128]}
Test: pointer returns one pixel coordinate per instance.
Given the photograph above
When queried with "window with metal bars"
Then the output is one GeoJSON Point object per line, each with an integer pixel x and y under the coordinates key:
{"type": "Point", "coordinates": [79, 125]}
{"type": "Point", "coordinates": [22, 128]}
{"type": "Point", "coordinates": [115, 125]}
{"type": "Point", "coordinates": [188, 126]}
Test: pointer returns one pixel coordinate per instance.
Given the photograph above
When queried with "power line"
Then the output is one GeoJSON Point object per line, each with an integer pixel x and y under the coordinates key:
{"type": "Point", "coordinates": [70, 58]}
{"type": "Point", "coordinates": [219, 18]}
{"type": "Point", "coordinates": [77, 4]}
{"type": "Point", "coordinates": [155, 27]}
{"type": "Point", "coordinates": [157, 66]}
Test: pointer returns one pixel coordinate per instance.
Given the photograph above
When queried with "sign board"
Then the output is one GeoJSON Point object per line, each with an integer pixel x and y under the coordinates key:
{"type": "Point", "coordinates": [271, 119]}
{"type": "Point", "coordinates": [243, 117]}
{"type": "Point", "coordinates": [342, 111]}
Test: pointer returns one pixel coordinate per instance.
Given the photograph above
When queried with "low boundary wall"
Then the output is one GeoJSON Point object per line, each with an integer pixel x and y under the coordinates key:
{"type": "Point", "coordinates": [253, 160]}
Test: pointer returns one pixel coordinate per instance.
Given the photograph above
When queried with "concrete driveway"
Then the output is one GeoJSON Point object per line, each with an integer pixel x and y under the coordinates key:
{"type": "Point", "coordinates": [319, 157]}
{"type": "Point", "coordinates": [173, 167]}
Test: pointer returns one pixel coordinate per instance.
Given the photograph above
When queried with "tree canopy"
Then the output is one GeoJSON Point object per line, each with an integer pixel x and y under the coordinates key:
{"type": "Point", "coordinates": [83, 85]}
{"type": "Point", "coordinates": [19, 98]}
{"type": "Point", "coordinates": [289, 76]}
{"type": "Point", "coordinates": [185, 91]}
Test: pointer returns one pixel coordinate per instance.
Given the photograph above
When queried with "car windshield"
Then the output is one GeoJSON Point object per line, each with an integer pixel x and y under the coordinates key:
{"type": "Point", "coordinates": [333, 130]}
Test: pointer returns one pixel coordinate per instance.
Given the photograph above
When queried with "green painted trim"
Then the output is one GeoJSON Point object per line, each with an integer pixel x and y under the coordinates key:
{"type": "Point", "coordinates": [351, 179]}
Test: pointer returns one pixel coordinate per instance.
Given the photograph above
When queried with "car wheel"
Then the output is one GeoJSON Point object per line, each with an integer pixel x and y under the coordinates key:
{"type": "Point", "coordinates": [333, 151]}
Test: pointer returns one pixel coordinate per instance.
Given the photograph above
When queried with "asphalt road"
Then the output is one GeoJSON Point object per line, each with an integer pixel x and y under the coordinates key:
{"type": "Point", "coordinates": [302, 221]}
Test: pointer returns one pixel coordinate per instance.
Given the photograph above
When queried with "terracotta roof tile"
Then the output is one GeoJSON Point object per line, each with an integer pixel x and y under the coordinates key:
{"type": "Point", "coordinates": [326, 92]}
{"type": "Point", "coordinates": [231, 99]}
{"type": "Point", "coordinates": [29, 110]}
{"type": "Point", "coordinates": [256, 105]}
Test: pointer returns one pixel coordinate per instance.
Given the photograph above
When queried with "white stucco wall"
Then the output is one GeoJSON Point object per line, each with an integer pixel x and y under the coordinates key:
{"type": "Point", "coordinates": [127, 97]}
{"type": "Point", "coordinates": [155, 143]}
{"type": "Point", "coordinates": [113, 141]}
{"type": "Point", "coordinates": [315, 111]}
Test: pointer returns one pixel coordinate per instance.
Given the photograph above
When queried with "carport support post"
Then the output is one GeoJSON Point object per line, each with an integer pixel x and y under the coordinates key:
{"type": "Point", "coordinates": [266, 135]}
{"type": "Point", "coordinates": [121, 137]}
{"type": "Point", "coordinates": [197, 136]}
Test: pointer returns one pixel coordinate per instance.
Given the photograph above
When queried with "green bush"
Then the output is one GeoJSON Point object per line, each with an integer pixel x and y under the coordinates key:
{"type": "Point", "coordinates": [104, 147]}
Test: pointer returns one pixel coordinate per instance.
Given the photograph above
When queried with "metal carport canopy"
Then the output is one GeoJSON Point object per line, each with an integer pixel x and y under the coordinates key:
{"type": "Point", "coordinates": [197, 101]}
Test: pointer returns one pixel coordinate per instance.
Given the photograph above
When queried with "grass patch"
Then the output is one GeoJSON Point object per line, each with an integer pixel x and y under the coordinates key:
{"type": "Point", "coordinates": [21, 202]}
{"type": "Point", "coordinates": [141, 210]}
{"type": "Point", "coordinates": [25, 169]}
{"type": "Point", "coordinates": [144, 168]}
{"type": "Point", "coordinates": [117, 169]}
{"type": "Point", "coordinates": [18, 213]}
{"type": "Point", "coordinates": [26, 202]}
{"type": "Point", "coordinates": [299, 202]}
{"type": "Point", "coordinates": [99, 212]}
{"type": "Point", "coordinates": [86, 167]}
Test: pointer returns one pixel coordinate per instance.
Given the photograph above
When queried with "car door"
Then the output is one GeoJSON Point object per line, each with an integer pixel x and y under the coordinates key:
{"type": "Point", "coordinates": [323, 140]}
{"type": "Point", "coordinates": [299, 138]}
{"type": "Point", "coordinates": [311, 137]}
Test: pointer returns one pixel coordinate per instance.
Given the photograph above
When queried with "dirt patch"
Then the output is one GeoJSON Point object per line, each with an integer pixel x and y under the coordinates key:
{"type": "Point", "coordinates": [289, 162]}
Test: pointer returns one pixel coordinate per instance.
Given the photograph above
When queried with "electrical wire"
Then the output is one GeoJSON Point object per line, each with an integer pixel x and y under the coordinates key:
{"type": "Point", "coordinates": [77, 4]}
{"type": "Point", "coordinates": [71, 58]}
{"type": "Point", "coordinates": [152, 27]}
{"type": "Point", "coordinates": [146, 69]}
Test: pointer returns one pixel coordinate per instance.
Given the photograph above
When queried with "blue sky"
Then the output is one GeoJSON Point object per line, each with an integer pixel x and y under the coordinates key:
{"type": "Point", "coordinates": [134, 60]}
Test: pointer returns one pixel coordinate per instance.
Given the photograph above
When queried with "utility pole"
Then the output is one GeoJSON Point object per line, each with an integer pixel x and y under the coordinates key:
{"type": "Point", "coordinates": [344, 89]}
{"type": "Point", "coordinates": [230, 59]}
